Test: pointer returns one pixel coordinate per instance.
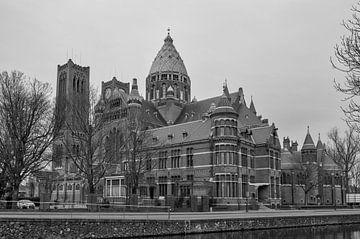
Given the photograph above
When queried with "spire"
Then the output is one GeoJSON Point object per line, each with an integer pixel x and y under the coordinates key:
{"type": "Point", "coordinates": [308, 142]}
{"type": "Point", "coordinates": [241, 96]}
{"type": "Point", "coordinates": [168, 38]}
{"type": "Point", "coordinates": [319, 144]}
{"type": "Point", "coordinates": [224, 106]}
{"type": "Point", "coordinates": [252, 106]}
{"type": "Point", "coordinates": [223, 101]}
{"type": "Point", "coordinates": [226, 90]}
{"type": "Point", "coordinates": [134, 97]}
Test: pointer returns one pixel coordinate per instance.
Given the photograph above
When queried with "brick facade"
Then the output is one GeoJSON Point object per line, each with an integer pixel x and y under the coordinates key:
{"type": "Point", "coordinates": [217, 148]}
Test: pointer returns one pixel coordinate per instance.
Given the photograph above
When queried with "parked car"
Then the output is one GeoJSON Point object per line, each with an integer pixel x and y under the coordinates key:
{"type": "Point", "coordinates": [25, 204]}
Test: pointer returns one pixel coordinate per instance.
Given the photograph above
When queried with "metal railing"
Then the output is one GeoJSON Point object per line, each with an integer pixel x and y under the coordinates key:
{"type": "Point", "coordinates": [114, 211]}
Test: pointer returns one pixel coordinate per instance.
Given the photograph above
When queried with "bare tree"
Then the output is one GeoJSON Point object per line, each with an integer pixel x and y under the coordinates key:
{"type": "Point", "coordinates": [136, 151]}
{"type": "Point", "coordinates": [347, 60]}
{"type": "Point", "coordinates": [309, 178]}
{"type": "Point", "coordinates": [344, 151]}
{"type": "Point", "coordinates": [355, 176]}
{"type": "Point", "coordinates": [83, 139]}
{"type": "Point", "coordinates": [26, 127]}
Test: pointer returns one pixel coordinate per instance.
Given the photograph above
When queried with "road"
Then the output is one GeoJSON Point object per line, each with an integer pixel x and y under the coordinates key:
{"type": "Point", "coordinates": [173, 215]}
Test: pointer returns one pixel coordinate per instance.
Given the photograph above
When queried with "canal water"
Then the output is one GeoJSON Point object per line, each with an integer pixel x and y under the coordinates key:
{"type": "Point", "coordinates": [323, 232]}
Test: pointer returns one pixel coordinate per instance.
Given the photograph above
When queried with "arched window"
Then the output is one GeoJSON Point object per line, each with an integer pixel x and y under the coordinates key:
{"type": "Point", "coordinates": [82, 86]}
{"type": "Point", "coordinates": [163, 90]}
{"type": "Point", "coordinates": [283, 178]}
{"type": "Point", "coordinates": [74, 79]}
{"type": "Point", "coordinates": [152, 92]}
{"type": "Point", "coordinates": [78, 85]}
{"type": "Point", "coordinates": [176, 90]}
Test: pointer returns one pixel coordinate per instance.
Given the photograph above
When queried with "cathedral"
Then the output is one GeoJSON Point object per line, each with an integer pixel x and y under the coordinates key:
{"type": "Point", "coordinates": [216, 151]}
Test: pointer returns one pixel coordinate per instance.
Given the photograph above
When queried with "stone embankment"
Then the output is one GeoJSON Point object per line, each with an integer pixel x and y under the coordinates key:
{"type": "Point", "coordinates": [86, 228]}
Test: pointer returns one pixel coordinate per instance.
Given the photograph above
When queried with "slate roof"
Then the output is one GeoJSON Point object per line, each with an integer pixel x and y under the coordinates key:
{"type": "Point", "coordinates": [196, 110]}
{"type": "Point", "coordinates": [308, 142]}
{"type": "Point", "coordinates": [252, 106]}
{"type": "Point", "coordinates": [168, 59]}
{"type": "Point", "coordinates": [290, 161]}
{"type": "Point", "coordinates": [151, 114]}
{"type": "Point", "coordinates": [194, 130]}
{"type": "Point", "coordinates": [320, 145]}
{"type": "Point", "coordinates": [260, 135]}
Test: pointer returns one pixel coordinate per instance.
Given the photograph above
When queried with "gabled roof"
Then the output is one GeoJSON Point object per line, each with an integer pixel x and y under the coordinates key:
{"type": "Point", "coordinates": [264, 134]}
{"type": "Point", "coordinates": [261, 134]}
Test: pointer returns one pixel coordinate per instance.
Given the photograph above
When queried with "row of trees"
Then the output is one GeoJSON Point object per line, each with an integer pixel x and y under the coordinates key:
{"type": "Point", "coordinates": [30, 123]}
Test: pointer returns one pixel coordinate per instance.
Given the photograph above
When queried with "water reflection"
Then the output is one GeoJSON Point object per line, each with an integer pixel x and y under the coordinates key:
{"type": "Point", "coordinates": [324, 232]}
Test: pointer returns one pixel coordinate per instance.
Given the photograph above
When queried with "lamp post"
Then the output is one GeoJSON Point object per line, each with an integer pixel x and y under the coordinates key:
{"type": "Point", "coordinates": [247, 201]}
{"type": "Point", "coordinates": [333, 189]}
{"type": "Point", "coordinates": [292, 187]}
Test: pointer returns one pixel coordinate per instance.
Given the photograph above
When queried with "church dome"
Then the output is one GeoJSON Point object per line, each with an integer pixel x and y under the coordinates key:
{"type": "Point", "coordinates": [168, 59]}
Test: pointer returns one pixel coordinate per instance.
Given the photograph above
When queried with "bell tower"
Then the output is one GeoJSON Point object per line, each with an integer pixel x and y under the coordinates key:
{"type": "Point", "coordinates": [72, 106]}
{"type": "Point", "coordinates": [72, 92]}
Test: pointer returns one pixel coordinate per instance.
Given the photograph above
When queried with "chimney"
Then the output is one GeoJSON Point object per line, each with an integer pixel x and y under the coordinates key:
{"type": "Point", "coordinates": [294, 145]}
{"type": "Point", "coordinates": [286, 143]}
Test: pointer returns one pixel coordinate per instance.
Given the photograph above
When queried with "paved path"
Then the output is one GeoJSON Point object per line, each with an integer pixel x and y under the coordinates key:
{"type": "Point", "coordinates": [173, 215]}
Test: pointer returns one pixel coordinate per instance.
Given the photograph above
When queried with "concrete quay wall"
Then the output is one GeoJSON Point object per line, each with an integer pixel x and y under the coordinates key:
{"type": "Point", "coordinates": [85, 228]}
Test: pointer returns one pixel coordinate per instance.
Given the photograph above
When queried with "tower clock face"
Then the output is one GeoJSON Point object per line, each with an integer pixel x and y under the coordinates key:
{"type": "Point", "coordinates": [107, 93]}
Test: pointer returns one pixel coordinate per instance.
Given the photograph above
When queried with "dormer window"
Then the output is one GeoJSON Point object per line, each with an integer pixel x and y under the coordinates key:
{"type": "Point", "coordinates": [155, 139]}
{"type": "Point", "coordinates": [185, 134]}
{"type": "Point", "coordinates": [170, 136]}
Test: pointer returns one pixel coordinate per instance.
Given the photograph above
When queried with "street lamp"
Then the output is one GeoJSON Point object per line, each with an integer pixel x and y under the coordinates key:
{"type": "Point", "coordinates": [292, 187]}
{"type": "Point", "coordinates": [333, 189]}
{"type": "Point", "coordinates": [247, 202]}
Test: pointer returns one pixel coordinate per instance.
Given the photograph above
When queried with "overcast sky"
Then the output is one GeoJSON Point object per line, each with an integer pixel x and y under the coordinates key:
{"type": "Point", "coordinates": [278, 51]}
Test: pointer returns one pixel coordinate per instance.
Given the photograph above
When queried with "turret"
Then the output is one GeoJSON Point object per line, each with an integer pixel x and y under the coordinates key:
{"type": "Point", "coordinates": [224, 118]}
{"type": "Point", "coordinates": [308, 151]}
{"type": "Point", "coordinates": [252, 106]}
{"type": "Point", "coordinates": [134, 100]}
